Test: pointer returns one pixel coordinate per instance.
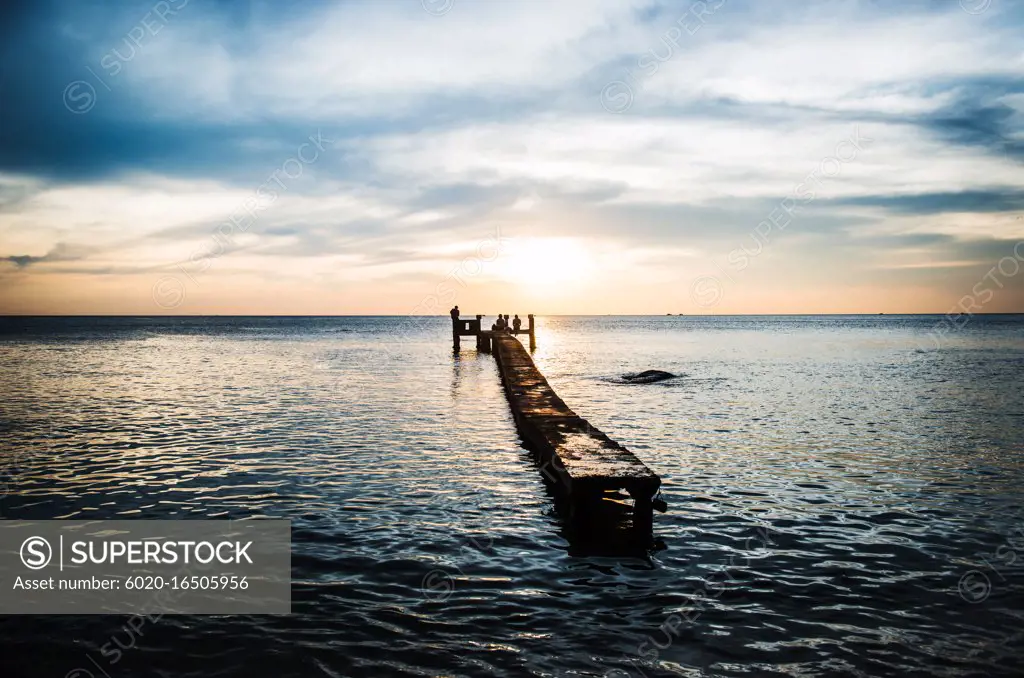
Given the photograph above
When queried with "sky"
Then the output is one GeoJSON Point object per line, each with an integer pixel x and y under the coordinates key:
{"type": "Point", "coordinates": [515, 156]}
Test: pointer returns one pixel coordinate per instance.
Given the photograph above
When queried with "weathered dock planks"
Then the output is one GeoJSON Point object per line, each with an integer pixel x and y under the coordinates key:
{"type": "Point", "coordinates": [585, 462]}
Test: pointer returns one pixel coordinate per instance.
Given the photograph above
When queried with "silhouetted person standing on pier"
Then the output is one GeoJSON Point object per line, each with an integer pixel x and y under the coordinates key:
{"type": "Point", "coordinates": [500, 323]}
{"type": "Point", "coordinates": [454, 313]}
{"type": "Point", "coordinates": [516, 323]}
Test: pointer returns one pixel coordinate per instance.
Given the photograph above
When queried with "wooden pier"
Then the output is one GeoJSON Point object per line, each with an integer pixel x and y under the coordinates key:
{"type": "Point", "coordinates": [471, 328]}
{"type": "Point", "coordinates": [580, 460]}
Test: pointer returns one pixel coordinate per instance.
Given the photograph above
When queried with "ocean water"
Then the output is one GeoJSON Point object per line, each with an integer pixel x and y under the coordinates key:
{"type": "Point", "coordinates": [844, 493]}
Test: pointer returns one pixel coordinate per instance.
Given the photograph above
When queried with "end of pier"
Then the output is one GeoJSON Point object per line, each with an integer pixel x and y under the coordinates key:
{"type": "Point", "coordinates": [577, 458]}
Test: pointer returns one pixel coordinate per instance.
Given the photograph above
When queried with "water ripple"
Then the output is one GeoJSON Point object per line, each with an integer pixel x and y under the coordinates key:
{"type": "Point", "coordinates": [842, 503]}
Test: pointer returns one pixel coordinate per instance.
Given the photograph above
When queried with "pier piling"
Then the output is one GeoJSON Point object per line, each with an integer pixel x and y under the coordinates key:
{"type": "Point", "coordinates": [464, 328]}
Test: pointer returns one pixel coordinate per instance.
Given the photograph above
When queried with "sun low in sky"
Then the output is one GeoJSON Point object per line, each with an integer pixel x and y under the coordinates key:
{"type": "Point", "coordinates": [724, 156]}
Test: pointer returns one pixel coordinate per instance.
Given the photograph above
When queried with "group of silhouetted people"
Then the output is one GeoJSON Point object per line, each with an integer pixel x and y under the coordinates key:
{"type": "Point", "coordinates": [502, 324]}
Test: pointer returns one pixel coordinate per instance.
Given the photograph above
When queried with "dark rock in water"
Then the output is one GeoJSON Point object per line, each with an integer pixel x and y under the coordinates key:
{"type": "Point", "coordinates": [647, 377]}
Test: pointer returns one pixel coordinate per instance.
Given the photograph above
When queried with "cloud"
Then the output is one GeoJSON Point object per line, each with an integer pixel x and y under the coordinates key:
{"type": "Point", "coordinates": [1008, 199]}
{"type": "Point", "coordinates": [60, 252]}
{"type": "Point", "coordinates": [447, 129]}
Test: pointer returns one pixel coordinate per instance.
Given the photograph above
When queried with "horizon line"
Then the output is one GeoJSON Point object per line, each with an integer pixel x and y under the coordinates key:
{"type": "Point", "coordinates": [541, 315]}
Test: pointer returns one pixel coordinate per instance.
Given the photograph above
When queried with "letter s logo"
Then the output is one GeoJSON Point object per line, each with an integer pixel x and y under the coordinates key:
{"type": "Point", "coordinates": [36, 553]}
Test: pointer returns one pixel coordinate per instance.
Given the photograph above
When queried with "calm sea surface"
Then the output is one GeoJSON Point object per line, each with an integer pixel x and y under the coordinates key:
{"type": "Point", "coordinates": [845, 493]}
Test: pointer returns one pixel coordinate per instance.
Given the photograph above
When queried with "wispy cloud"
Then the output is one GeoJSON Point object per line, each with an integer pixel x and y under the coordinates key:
{"type": "Point", "coordinates": [60, 252]}
{"type": "Point", "coordinates": [450, 125]}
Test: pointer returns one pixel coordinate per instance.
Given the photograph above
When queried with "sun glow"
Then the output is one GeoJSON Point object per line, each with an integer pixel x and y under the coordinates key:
{"type": "Point", "coordinates": [543, 262]}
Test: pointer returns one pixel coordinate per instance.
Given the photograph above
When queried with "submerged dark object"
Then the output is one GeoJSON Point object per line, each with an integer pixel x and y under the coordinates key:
{"type": "Point", "coordinates": [647, 377]}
